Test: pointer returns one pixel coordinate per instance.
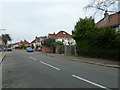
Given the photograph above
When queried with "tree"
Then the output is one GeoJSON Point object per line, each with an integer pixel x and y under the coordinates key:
{"type": "Point", "coordinates": [59, 43]}
{"type": "Point", "coordinates": [6, 38]}
{"type": "Point", "coordinates": [111, 6]}
{"type": "Point", "coordinates": [82, 28]}
{"type": "Point", "coordinates": [32, 46]}
{"type": "Point", "coordinates": [94, 41]}
{"type": "Point", "coordinates": [50, 42]}
{"type": "Point", "coordinates": [23, 46]}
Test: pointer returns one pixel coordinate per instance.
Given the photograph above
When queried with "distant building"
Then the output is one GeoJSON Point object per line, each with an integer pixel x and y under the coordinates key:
{"type": "Point", "coordinates": [37, 42]}
{"type": "Point", "coordinates": [25, 42]}
{"type": "Point", "coordinates": [19, 44]}
{"type": "Point", "coordinates": [112, 21]}
{"type": "Point", "coordinates": [63, 37]}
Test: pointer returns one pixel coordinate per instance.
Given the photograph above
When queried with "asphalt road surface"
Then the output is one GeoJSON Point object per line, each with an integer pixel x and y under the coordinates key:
{"type": "Point", "coordinates": [21, 69]}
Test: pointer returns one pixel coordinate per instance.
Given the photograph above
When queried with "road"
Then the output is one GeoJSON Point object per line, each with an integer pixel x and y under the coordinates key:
{"type": "Point", "coordinates": [21, 69]}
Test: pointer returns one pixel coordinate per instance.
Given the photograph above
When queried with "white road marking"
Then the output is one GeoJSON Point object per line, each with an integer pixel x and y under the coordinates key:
{"type": "Point", "coordinates": [74, 59]}
{"type": "Point", "coordinates": [30, 53]}
{"type": "Point", "coordinates": [45, 63]}
{"type": "Point", "coordinates": [49, 65]}
{"type": "Point", "coordinates": [95, 84]}
{"type": "Point", "coordinates": [33, 58]}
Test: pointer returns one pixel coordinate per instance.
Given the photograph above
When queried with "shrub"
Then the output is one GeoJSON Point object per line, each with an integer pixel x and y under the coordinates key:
{"type": "Point", "coordinates": [103, 42]}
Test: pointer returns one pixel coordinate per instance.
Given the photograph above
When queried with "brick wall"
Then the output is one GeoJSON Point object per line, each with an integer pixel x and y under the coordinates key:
{"type": "Point", "coordinates": [46, 49]}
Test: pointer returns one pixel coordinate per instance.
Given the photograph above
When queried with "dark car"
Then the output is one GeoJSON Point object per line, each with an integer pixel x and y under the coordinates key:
{"type": "Point", "coordinates": [29, 49]}
{"type": "Point", "coordinates": [9, 49]}
{"type": "Point", "coordinates": [4, 49]}
{"type": "Point", "coordinates": [1, 50]}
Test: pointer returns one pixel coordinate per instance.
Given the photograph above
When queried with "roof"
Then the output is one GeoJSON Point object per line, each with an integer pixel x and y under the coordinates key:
{"type": "Point", "coordinates": [43, 37]}
{"type": "Point", "coordinates": [60, 34]}
{"type": "Point", "coordinates": [16, 43]}
{"type": "Point", "coordinates": [113, 20]}
{"type": "Point", "coordinates": [22, 42]}
{"type": "Point", "coordinates": [38, 38]}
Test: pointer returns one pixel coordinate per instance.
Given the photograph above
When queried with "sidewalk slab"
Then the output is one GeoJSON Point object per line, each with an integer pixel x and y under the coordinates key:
{"type": "Point", "coordinates": [2, 55]}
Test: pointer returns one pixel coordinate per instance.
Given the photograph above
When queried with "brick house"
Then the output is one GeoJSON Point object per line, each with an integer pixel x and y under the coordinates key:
{"type": "Point", "coordinates": [63, 37]}
{"type": "Point", "coordinates": [112, 21]}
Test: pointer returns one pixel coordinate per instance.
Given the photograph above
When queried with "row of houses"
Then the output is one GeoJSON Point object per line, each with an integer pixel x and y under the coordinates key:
{"type": "Point", "coordinates": [112, 21]}
{"type": "Point", "coordinates": [62, 36]}
{"type": "Point", "coordinates": [19, 44]}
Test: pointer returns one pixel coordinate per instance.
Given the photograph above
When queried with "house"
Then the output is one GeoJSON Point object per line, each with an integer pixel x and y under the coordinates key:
{"type": "Point", "coordinates": [63, 37]}
{"type": "Point", "coordinates": [37, 42]}
{"type": "Point", "coordinates": [25, 42]}
{"type": "Point", "coordinates": [19, 44]}
{"type": "Point", "coordinates": [112, 21]}
{"type": "Point", "coordinates": [16, 45]}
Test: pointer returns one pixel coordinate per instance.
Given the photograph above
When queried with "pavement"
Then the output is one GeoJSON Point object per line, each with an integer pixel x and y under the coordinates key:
{"type": "Point", "coordinates": [2, 55]}
{"type": "Point", "coordinates": [97, 61]}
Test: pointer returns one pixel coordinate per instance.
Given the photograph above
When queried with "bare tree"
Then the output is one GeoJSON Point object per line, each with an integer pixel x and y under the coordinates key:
{"type": "Point", "coordinates": [111, 6]}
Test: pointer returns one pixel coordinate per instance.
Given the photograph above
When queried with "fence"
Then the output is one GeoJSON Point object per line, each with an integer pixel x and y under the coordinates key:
{"type": "Point", "coordinates": [66, 49]}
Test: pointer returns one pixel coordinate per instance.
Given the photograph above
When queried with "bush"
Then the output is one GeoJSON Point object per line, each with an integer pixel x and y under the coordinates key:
{"type": "Point", "coordinates": [103, 42]}
{"type": "Point", "coordinates": [59, 43]}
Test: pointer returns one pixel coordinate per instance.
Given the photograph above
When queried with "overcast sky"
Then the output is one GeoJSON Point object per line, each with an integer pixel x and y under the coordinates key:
{"type": "Point", "coordinates": [25, 19]}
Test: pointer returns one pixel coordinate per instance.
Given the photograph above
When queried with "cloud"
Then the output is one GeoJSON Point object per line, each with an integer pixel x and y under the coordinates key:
{"type": "Point", "coordinates": [25, 20]}
{"type": "Point", "coordinates": [44, 1]}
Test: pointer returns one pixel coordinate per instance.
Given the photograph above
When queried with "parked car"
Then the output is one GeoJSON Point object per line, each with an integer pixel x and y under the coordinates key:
{"type": "Point", "coordinates": [38, 49]}
{"type": "Point", "coordinates": [4, 49]}
{"type": "Point", "coordinates": [0, 49]}
{"type": "Point", "coordinates": [29, 49]}
{"type": "Point", "coordinates": [9, 49]}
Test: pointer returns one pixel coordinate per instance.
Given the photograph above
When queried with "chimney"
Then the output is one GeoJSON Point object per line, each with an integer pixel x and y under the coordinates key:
{"type": "Point", "coordinates": [106, 15]}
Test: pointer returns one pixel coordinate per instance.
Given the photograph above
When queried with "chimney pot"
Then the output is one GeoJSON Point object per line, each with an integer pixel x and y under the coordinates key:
{"type": "Point", "coordinates": [106, 15]}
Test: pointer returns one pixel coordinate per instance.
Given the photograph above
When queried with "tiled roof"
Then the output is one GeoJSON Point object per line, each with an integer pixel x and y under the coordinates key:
{"type": "Point", "coordinates": [43, 37]}
{"type": "Point", "coordinates": [22, 42]}
{"type": "Point", "coordinates": [16, 43]}
{"type": "Point", "coordinates": [38, 38]}
{"type": "Point", "coordinates": [113, 20]}
{"type": "Point", "coordinates": [61, 34]}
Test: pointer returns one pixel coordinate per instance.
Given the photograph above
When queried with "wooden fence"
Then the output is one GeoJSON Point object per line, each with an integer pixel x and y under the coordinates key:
{"type": "Point", "coordinates": [66, 49]}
